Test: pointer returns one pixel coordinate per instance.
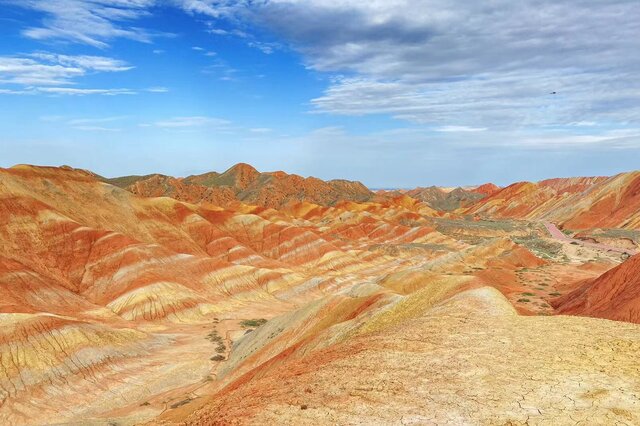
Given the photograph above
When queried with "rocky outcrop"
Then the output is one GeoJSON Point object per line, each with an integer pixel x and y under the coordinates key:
{"type": "Point", "coordinates": [244, 183]}
{"type": "Point", "coordinates": [575, 203]}
{"type": "Point", "coordinates": [615, 295]}
{"type": "Point", "coordinates": [449, 200]}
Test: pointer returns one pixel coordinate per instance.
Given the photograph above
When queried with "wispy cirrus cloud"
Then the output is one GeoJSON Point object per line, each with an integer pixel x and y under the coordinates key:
{"type": "Point", "coordinates": [261, 130]}
{"type": "Point", "coordinates": [67, 91]}
{"type": "Point", "coordinates": [190, 122]}
{"type": "Point", "coordinates": [204, 51]}
{"type": "Point", "coordinates": [95, 121]}
{"type": "Point", "coordinates": [96, 129]}
{"type": "Point", "coordinates": [92, 22]}
{"type": "Point", "coordinates": [459, 129]}
{"type": "Point", "coordinates": [55, 74]}
{"type": "Point", "coordinates": [158, 89]}
{"type": "Point", "coordinates": [95, 124]}
{"type": "Point", "coordinates": [47, 69]}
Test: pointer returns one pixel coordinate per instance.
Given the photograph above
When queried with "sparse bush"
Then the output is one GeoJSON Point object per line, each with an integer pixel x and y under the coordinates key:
{"type": "Point", "coordinates": [253, 323]}
{"type": "Point", "coordinates": [528, 294]}
{"type": "Point", "coordinates": [555, 293]}
{"type": "Point", "coordinates": [523, 300]}
{"type": "Point", "coordinates": [214, 337]}
{"type": "Point", "coordinates": [181, 403]}
{"type": "Point", "coordinates": [217, 358]}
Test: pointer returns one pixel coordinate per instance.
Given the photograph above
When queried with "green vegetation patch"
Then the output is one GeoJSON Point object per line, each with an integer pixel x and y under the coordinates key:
{"type": "Point", "coordinates": [253, 323]}
{"type": "Point", "coordinates": [540, 247]}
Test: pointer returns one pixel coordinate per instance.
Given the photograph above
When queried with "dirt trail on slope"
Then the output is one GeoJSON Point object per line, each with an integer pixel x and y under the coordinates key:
{"type": "Point", "coordinates": [559, 235]}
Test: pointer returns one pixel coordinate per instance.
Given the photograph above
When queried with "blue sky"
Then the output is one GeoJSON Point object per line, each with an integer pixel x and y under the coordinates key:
{"type": "Point", "coordinates": [395, 93]}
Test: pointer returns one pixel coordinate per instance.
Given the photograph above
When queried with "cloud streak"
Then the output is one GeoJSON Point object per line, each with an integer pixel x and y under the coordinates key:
{"type": "Point", "coordinates": [46, 69]}
{"type": "Point", "coordinates": [92, 22]}
{"type": "Point", "coordinates": [191, 122]}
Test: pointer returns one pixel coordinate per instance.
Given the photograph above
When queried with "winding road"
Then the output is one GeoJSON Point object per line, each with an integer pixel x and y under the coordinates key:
{"type": "Point", "coordinates": [559, 235]}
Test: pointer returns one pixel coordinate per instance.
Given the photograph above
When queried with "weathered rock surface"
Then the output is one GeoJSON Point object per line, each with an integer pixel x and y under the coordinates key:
{"type": "Point", "coordinates": [244, 183]}
{"type": "Point", "coordinates": [118, 308]}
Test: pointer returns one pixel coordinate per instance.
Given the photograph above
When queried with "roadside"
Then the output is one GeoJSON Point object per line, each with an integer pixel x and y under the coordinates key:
{"type": "Point", "coordinates": [559, 235]}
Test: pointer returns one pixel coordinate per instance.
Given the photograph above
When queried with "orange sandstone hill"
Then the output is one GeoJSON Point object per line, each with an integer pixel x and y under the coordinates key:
{"type": "Point", "coordinates": [117, 308]}
{"type": "Point", "coordinates": [575, 203]}
{"type": "Point", "coordinates": [614, 295]}
{"type": "Point", "coordinates": [444, 200]}
{"type": "Point", "coordinates": [97, 284]}
{"type": "Point", "coordinates": [244, 183]}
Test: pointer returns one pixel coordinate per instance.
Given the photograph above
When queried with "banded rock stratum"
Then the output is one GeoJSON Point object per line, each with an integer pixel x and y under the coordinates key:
{"type": "Point", "coordinates": [266, 298]}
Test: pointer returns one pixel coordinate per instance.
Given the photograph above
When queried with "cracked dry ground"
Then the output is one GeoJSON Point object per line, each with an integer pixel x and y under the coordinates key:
{"type": "Point", "coordinates": [468, 360]}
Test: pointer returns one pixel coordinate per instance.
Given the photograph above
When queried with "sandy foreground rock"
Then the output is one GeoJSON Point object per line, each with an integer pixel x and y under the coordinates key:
{"type": "Point", "coordinates": [468, 360]}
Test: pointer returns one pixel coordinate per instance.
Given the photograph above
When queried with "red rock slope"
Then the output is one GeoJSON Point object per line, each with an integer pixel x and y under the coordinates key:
{"type": "Point", "coordinates": [615, 295]}
{"type": "Point", "coordinates": [575, 203]}
{"type": "Point", "coordinates": [244, 183]}
{"type": "Point", "coordinates": [97, 284]}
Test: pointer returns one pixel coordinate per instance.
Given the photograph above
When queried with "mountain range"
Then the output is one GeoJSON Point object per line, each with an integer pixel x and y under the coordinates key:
{"type": "Point", "coordinates": [267, 298]}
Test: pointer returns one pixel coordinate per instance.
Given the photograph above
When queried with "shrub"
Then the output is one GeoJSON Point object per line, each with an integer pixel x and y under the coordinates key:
{"type": "Point", "coordinates": [181, 403]}
{"type": "Point", "coordinates": [523, 300]}
{"type": "Point", "coordinates": [217, 358]}
{"type": "Point", "coordinates": [253, 322]}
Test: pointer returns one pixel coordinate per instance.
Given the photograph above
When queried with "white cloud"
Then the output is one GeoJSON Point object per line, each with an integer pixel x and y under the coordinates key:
{"type": "Point", "coordinates": [477, 64]}
{"type": "Point", "coordinates": [83, 92]}
{"type": "Point", "coordinates": [482, 64]}
{"type": "Point", "coordinates": [46, 69]}
{"type": "Point", "coordinates": [48, 73]}
{"type": "Point", "coordinates": [93, 121]}
{"type": "Point", "coordinates": [218, 31]}
{"type": "Point", "coordinates": [194, 121]}
{"type": "Point", "coordinates": [266, 48]}
{"type": "Point", "coordinates": [583, 124]}
{"type": "Point", "coordinates": [96, 129]}
{"type": "Point", "coordinates": [85, 62]}
{"type": "Point", "coordinates": [204, 51]}
{"type": "Point", "coordinates": [28, 71]}
{"type": "Point", "coordinates": [92, 22]}
{"type": "Point", "coordinates": [158, 89]}
{"type": "Point", "coordinates": [52, 118]}
{"type": "Point", "coordinates": [261, 130]}
{"type": "Point", "coordinates": [459, 129]}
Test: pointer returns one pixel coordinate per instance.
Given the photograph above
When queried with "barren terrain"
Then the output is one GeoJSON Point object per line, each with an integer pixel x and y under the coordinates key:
{"type": "Point", "coordinates": [265, 298]}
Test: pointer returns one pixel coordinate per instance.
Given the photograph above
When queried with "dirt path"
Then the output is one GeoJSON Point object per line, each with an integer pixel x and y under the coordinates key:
{"type": "Point", "coordinates": [559, 235]}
